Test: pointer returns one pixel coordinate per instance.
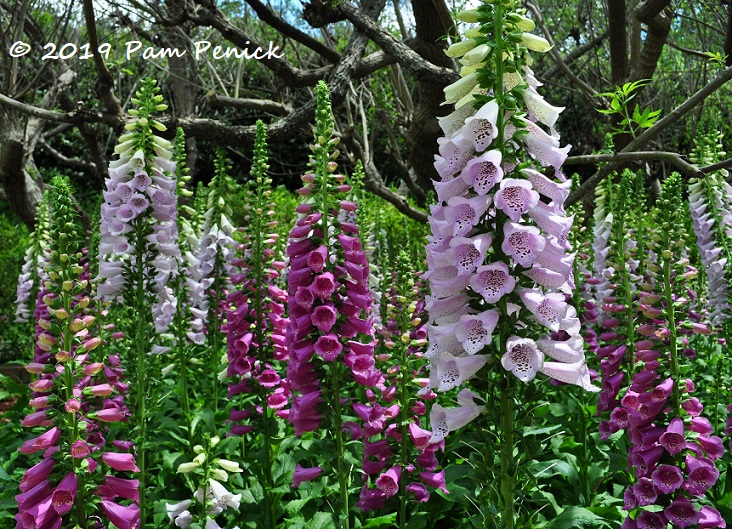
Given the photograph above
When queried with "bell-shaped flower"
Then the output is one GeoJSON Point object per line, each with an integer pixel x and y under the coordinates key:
{"type": "Point", "coordinates": [542, 111]}
{"type": "Point", "coordinates": [452, 371]}
{"type": "Point", "coordinates": [522, 358]}
{"type": "Point", "coordinates": [709, 517]}
{"type": "Point", "coordinates": [577, 374]}
{"type": "Point", "coordinates": [569, 351]}
{"type": "Point", "coordinates": [446, 420]}
{"type": "Point", "coordinates": [454, 154]}
{"type": "Point", "coordinates": [483, 172]}
{"type": "Point", "coordinates": [515, 197]}
{"type": "Point", "coordinates": [522, 243]}
{"type": "Point", "coordinates": [64, 495]}
{"type": "Point", "coordinates": [548, 309]}
{"type": "Point", "coordinates": [458, 49]}
{"type": "Point", "coordinates": [475, 331]}
{"type": "Point", "coordinates": [673, 439]}
{"type": "Point", "coordinates": [460, 88]}
{"type": "Point", "coordinates": [543, 148]}
{"type": "Point", "coordinates": [120, 516]}
{"type": "Point", "coordinates": [667, 478]}
{"type": "Point", "coordinates": [304, 474]}
{"type": "Point", "coordinates": [464, 213]}
{"type": "Point", "coordinates": [388, 482]}
{"type": "Point", "coordinates": [466, 254]}
{"type": "Point", "coordinates": [455, 120]}
{"type": "Point", "coordinates": [448, 310]}
{"type": "Point", "coordinates": [547, 187]}
{"type": "Point", "coordinates": [701, 474]}
{"type": "Point", "coordinates": [480, 129]}
{"type": "Point", "coordinates": [681, 513]}
{"type": "Point", "coordinates": [492, 281]}
{"type": "Point", "coordinates": [551, 221]}
{"type": "Point", "coordinates": [535, 43]}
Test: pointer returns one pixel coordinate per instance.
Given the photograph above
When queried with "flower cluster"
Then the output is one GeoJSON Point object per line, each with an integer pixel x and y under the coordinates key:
{"type": "Point", "coordinates": [329, 299]}
{"type": "Point", "coordinates": [256, 324]}
{"type": "Point", "coordinates": [137, 227]}
{"type": "Point", "coordinates": [673, 448]}
{"type": "Point", "coordinates": [498, 251]}
{"type": "Point", "coordinates": [71, 396]}
{"type": "Point", "coordinates": [32, 273]}
{"type": "Point", "coordinates": [211, 472]}
{"type": "Point", "coordinates": [211, 268]}
{"type": "Point", "coordinates": [710, 201]}
{"type": "Point", "coordinates": [398, 458]}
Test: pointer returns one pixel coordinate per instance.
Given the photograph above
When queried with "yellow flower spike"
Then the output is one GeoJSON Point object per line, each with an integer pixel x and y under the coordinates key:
{"type": "Point", "coordinates": [460, 48]}
{"type": "Point", "coordinates": [184, 468]}
{"type": "Point", "coordinates": [469, 15]}
{"type": "Point", "coordinates": [525, 24]}
{"type": "Point", "coordinates": [535, 43]}
{"type": "Point", "coordinates": [230, 466]}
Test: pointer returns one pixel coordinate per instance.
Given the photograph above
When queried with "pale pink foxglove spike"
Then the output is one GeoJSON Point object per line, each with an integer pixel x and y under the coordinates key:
{"type": "Point", "coordinates": [577, 374]}
{"type": "Point", "coordinates": [483, 172]}
{"type": "Point", "coordinates": [452, 371]}
{"type": "Point", "coordinates": [523, 243]}
{"type": "Point", "coordinates": [480, 129]}
{"type": "Point", "coordinates": [444, 421]}
{"type": "Point", "coordinates": [475, 331]}
{"type": "Point", "coordinates": [522, 358]}
{"type": "Point", "coordinates": [492, 281]}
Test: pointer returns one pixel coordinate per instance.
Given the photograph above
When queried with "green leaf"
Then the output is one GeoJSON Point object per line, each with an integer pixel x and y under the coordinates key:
{"type": "Point", "coordinates": [382, 522]}
{"type": "Point", "coordinates": [577, 518]}
{"type": "Point", "coordinates": [321, 520]}
{"type": "Point", "coordinates": [4, 475]}
{"type": "Point", "coordinates": [295, 506]}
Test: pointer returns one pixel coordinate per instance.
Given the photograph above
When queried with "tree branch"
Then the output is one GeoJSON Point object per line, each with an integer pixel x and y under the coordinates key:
{"type": "Point", "coordinates": [682, 165]}
{"type": "Point", "coordinates": [105, 82]}
{"type": "Point", "coordinates": [575, 54]}
{"type": "Point", "coordinates": [662, 124]}
{"type": "Point", "coordinates": [76, 163]}
{"type": "Point", "coordinates": [261, 105]}
{"type": "Point", "coordinates": [579, 83]}
{"type": "Point", "coordinates": [404, 55]}
{"type": "Point", "coordinates": [80, 115]}
{"type": "Point", "coordinates": [375, 183]}
{"type": "Point", "coordinates": [265, 14]}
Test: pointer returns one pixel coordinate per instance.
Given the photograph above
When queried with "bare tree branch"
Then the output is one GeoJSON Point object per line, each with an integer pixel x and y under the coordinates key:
{"type": "Point", "coordinates": [664, 123]}
{"type": "Point", "coordinates": [261, 105]}
{"type": "Point", "coordinates": [105, 81]}
{"type": "Point", "coordinates": [266, 15]}
{"type": "Point", "coordinates": [80, 115]}
{"type": "Point", "coordinates": [375, 183]}
{"type": "Point", "coordinates": [575, 54]}
{"type": "Point", "coordinates": [682, 165]}
{"type": "Point", "coordinates": [579, 83]}
{"type": "Point", "coordinates": [76, 163]}
{"type": "Point", "coordinates": [404, 55]}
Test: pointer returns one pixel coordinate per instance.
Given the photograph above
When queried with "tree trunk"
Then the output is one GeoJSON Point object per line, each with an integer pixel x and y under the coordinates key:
{"type": "Point", "coordinates": [22, 189]}
{"type": "Point", "coordinates": [431, 27]}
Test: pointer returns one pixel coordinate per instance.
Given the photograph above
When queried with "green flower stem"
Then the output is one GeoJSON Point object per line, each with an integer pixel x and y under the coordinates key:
{"type": "Point", "coordinates": [403, 419]}
{"type": "Point", "coordinates": [214, 343]}
{"type": "Point", "coordinates": [507, 460]}
{"type": "Point", "coordinates": [141, 339]}
{"type": "Point", "coordinates": [506, 496]}
{"type": "Point", "coordinates": [673, 340]}
{"type": "Point", "coordinates": [335, 378]}
{"type": "Point", "coordinates": [181, 344]}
